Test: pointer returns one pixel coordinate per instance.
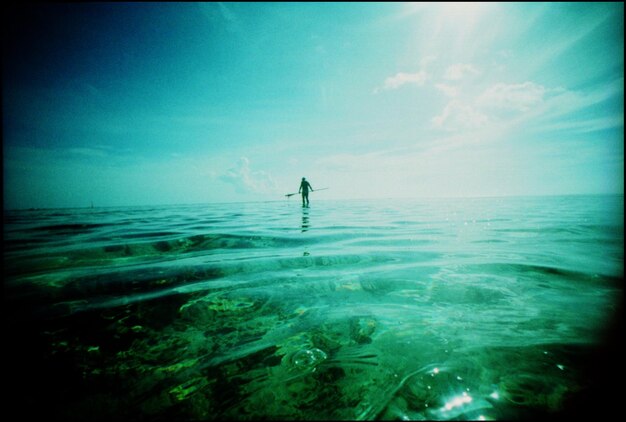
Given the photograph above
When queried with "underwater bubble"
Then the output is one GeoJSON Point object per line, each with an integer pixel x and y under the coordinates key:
{"type": "Point", "coordinates": [308, 358]}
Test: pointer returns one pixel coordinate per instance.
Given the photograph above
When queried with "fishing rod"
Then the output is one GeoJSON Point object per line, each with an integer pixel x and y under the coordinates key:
{"type": "Point", "coordinates": [289, 195]}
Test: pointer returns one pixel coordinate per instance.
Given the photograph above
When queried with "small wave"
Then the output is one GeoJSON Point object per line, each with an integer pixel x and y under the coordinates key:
{"type": "Point", "coordinates": [542, 270]}
{"type": "Point", "coordinates": [147, 234]}
{"type": "Point", "coordinates": [72, 228]}
{"type": "Point", "coordinates": [488, 241]}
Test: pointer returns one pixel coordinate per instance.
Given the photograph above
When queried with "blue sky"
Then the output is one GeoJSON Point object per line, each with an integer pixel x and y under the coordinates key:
{"type": "Point", "coordinates": [164, 103]}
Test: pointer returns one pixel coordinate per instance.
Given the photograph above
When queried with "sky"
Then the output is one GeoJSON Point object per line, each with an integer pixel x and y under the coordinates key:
{"type": "Point", "coordinates": [124, 104]}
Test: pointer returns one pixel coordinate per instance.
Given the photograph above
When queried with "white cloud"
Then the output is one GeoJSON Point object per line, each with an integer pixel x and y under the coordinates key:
{"type": "Point", "coordinates": [401, 78]}
{"type": "Point", "coordinates": [500, 103]}
{"type": "Point", "coordinates": [246, 180]}
{"type": "Point", "coordinates": [562, 109]}
{"type": "Point", "coordinates": [448, 91]}
{"type": "Point", "coordinates": [518, 97]}
{"type": "Point", "coordinates": [457, 116]}
{"type": "Point", "coordinates": [459, 71]}
{"type": "Point", "coordinates": [427, 60]}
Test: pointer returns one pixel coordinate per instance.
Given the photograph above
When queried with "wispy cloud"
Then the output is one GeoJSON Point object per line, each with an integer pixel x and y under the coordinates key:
{"type": "Point", "coordinates": [562, 109]}
{"type": "Point", "coordinates": [218, 12]}
{"type": "Point", "coordinates": [520, 97]}
{"type": "Point", "coordinates": [499, 103]}
{"type": "Point", "coordinates": [427, 60]}
{"type": "Point", "coordinates": [564, 41]}
{"type": "Point", "coordinates": [507, 106]}
{"type": "Point", "coordinates": [402, 78]}
{"type": "Point", "coordinates": [448, 90]}
{"type": "Point", "coordinates": [246, 180]}
{"type": "Point", "coordinates": [459, 116]}
{"type": "Point", "coordinates": [459, 71]}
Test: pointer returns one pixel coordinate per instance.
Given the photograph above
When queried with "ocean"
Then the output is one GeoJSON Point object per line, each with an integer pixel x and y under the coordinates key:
{"type": "Point", "coordinates": [421, 309]}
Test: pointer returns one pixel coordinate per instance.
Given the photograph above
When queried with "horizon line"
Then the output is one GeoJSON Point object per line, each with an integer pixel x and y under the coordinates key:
{"type": "Point", "coordinates": [320, 200]}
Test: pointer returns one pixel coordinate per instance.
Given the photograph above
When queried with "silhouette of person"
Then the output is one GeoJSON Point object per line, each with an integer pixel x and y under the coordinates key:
{"type": "Point", "coordinates": [304, 188]}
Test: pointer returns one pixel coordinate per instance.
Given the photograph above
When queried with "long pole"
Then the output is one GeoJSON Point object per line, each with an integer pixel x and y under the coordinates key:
{"type": "Point", "coordinates": [289, 195]}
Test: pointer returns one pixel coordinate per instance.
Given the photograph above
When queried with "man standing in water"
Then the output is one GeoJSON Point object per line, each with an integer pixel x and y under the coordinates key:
{"type": "Point", "coordinates": [304, 188]}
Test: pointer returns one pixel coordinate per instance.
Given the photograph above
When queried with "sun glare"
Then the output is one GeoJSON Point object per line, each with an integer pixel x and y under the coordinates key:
{"type": "Point", "coordinates": [461, 11]}
{"type": "Point", "coordinates": [448, 13]}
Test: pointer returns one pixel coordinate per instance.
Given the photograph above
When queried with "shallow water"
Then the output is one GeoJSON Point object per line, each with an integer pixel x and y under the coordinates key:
{"type": "Point", "coordinates": [490, 308]}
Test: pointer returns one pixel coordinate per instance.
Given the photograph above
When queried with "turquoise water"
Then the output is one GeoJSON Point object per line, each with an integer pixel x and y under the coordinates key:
{"type": "Point", "coordinates": [490, 308]}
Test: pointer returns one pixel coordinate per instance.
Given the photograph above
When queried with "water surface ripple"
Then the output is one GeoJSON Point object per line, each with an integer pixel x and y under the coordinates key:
{"type": "Point", "coordinates": [439, 309]}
